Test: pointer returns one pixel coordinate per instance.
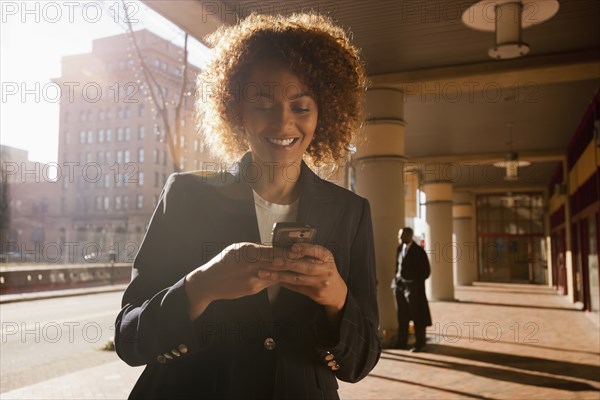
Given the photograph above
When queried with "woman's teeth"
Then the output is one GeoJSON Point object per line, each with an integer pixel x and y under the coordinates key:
{"type": "Point", "coordinates": [281, 142]}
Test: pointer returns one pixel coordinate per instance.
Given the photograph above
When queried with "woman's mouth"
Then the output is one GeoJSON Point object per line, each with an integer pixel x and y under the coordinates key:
{"type": "Point", "coordinates": [288, 142]}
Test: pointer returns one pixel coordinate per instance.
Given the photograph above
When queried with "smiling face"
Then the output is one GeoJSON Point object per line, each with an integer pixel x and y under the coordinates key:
{"type": "Point", "coordinates": [279, 114]}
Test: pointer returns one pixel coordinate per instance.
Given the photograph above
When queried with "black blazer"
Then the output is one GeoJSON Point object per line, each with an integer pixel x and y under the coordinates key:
{"type": "Point", "coordinates": [414, 270]}
{"type": "Point", "coordinates": [224, 353]}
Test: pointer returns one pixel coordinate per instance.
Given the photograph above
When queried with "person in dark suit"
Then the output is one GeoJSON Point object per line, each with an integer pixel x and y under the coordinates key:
{"type": "Point", "coordinates": [412, 269]}
{"type": "Point", "coordinates": [213, 310]}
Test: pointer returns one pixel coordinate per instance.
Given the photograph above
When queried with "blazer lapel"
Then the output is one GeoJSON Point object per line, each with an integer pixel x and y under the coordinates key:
{"type": "Point", "coordinates": [239, 201]}
{"type": "Point", "coordinates": [317, 208]}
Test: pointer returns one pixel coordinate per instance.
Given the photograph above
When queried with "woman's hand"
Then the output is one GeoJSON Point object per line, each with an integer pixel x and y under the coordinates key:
{"type": "Point", "coordinates": [309, 269]}
{"type": "Point", "coordinates": [231, 274]}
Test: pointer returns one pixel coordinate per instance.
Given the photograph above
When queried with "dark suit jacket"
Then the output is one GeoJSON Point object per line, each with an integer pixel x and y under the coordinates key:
{"type": "Point", "coordinates": [414, 270]}
{"type": "Point", "coordinates": [223, 354]}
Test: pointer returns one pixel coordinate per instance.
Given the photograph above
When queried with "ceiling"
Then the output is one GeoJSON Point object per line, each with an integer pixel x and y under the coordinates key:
{"type": "Point", "coordinates": [459, 101]}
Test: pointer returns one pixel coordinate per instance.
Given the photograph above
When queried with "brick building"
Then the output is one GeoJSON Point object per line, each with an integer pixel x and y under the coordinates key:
{"type": "Point", "coordinates": [113, 156]}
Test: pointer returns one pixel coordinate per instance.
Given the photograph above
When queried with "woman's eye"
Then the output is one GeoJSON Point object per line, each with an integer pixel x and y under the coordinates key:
{"type": "Point", "coordinates": [301, 109]}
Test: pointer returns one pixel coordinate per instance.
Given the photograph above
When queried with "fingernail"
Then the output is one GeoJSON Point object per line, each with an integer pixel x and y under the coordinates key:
{"type": "Point", "coordinates": [263, 274]}
{"type": "Point", "coordinates": [278, 262]}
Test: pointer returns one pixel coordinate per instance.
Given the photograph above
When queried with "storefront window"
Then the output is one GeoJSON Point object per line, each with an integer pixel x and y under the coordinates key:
{"type": "Point", "coordinates": [510, 231]}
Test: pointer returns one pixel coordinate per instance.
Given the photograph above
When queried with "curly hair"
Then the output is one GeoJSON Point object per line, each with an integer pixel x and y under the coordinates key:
{"type": "Point", "coordinates": [313, 48]}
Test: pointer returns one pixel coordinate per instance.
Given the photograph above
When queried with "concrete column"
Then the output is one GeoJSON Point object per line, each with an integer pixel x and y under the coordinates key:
{"type": "Point", "coordinates": [464, 239]}
{"type": "Point", "coordinates": [438, 244]}
{"type": "Point", "coordinates": [378, 169]}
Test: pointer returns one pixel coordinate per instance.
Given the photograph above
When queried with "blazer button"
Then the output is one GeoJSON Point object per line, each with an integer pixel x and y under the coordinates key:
{"type": "Point", "coordinates": [270, 343]}
{"type": "Point", "coordinates": [335, 367]}
{"type": "Point", "coordinates": [183, 348]}
{"type": "Point", "coordinates": [167, 355]}
{"type": "Point", "coordinates": [329, 357]}
{"type": "Point", "coordinates": [161, 359]}
{"type": "Point", "coordinates": [175, 353]}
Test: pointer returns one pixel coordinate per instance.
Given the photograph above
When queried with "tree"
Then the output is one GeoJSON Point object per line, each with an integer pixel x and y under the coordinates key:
{"type": "Point", "coordinates": [172, 130]}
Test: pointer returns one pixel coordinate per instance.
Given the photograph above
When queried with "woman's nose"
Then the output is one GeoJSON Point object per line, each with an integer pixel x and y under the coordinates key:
{"type": "Point", "coordinates": [281, 119]}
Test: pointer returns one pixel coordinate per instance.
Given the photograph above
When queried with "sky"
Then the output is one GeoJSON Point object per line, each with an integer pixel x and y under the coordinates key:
{"type": "Point", "coordinates": [34, 36]}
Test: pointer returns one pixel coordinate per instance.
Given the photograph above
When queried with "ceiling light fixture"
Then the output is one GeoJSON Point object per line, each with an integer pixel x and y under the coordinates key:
{"type": "Point", "coordinates": [507, 18]}
{"type": "Point", "coordinates": [511, 161]}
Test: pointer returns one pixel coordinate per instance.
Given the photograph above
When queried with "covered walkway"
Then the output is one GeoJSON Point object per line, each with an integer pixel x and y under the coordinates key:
{"type": "Point", "coordinates": [498, 341]}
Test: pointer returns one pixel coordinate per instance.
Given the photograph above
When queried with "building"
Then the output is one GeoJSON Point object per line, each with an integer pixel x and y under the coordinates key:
{"type": "Point", "coordinates": [29, 209]}
{"type": "Point", "coordinates": [113, 148]}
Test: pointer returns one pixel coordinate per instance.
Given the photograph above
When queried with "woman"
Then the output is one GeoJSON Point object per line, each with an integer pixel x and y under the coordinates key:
{"type": "Point", "coordinates": [212, 311]}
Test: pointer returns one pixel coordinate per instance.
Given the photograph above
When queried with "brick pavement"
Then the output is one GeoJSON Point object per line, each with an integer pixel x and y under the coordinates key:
{"type": "Point", "coordinates": [498, 341]}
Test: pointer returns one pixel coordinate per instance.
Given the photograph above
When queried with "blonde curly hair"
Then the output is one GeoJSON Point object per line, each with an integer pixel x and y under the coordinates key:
{"type": "Point", "coordinates": [313, 48]}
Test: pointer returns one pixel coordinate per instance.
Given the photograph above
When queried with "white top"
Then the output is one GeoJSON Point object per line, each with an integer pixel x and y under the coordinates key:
{"type": "Point", "coordinates": [267, 214]}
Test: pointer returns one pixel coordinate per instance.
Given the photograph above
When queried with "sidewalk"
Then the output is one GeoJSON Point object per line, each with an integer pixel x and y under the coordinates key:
{"type": "Point", "coordinates": [498, 341]}
{"type": "Point", "coordinates": [49, 294]}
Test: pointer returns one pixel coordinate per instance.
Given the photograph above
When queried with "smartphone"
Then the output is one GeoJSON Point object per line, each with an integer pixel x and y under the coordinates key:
{"type": "Point", "coordinates": [287, 233]}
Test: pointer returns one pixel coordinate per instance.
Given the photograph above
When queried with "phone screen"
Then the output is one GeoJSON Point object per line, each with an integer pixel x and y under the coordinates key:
{"type": "Point", "coordinates": [287, 233]}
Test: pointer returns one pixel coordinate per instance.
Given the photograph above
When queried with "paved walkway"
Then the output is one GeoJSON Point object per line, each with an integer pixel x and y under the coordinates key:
{"type": "Point", "coordinates": [498, 341]}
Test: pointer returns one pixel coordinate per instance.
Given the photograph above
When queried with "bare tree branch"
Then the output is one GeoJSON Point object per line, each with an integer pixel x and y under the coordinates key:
{"type": "Point", "coordinates": [161, 103]}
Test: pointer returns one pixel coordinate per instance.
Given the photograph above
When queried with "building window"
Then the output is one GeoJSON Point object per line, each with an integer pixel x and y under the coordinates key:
{"type": "Point", "coordinates": [98, 203]}
{"type": "Point", "coordinates": [126, 156]}
{"type": "Point", "coordinates": [141, 110]}
{"type": "Point", "coordinates": [117, 202]}
{"type": "Point", "coordinates": [100, 157]}
{"type": "Point", "coordinates": [141, 132]}
{"type": "Point", "coordinates": [88, 157]}
{"type": "Point", "coordinates": [156, 178]}
{"type": "Point", "coordinates": [67, 137]}
{"type": "Point", "coordinates": [127, 134]}
{"type": "Point", "coordinates": [155, 154]}
{"type": "Point", "coordinates": [106, 202]}
{"type": "Point", "coordinates": [140, 179]}
{"type": "Point", "coordinates": [182, 141]}
{"type": "Point", "coordinates": [89, 115]}
{"type": "Point", "coordinates": [141, 154]}
{"type": "Point", "coordinates": [81, 137]}
{"type": "Point", "coordinates": [119, 156]}
{"type": "Point", "coordinates": [126, 202]}
{"type": "Point", "coordinates": [100, 135]}
{"type": "Point", "coordinates": [127, 111]}
{"type": "Point", "coordinates": [107, 156]}
{"type": "Point", "coordinates": [196, 145]}
{"type": "Point", "coordinates": [157, 63]}
{"type": "Point", "coordinates": [67, 116]}
{"type": "Point", "coordinates": [139, 202]}
{"type": "Point", "coordinates": [106, 180]}
{"type": "Point", "coordinates": [119, 134]}
{"type": "Point", "coordinates": [108, 135]}
{"type": "Point", "coordinates": [82, 116]}
{"type": "Point", "coordinates": [108, 113]}
{"type": "Point", "coordinates": [119, 113]}
{"type": "Point", "coordinates": [90, 137]}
